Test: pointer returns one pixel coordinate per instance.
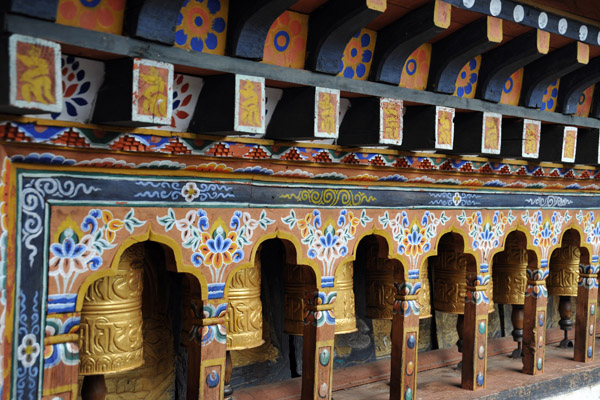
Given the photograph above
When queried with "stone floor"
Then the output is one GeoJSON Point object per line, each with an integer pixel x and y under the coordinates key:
{"type": "Point", "coordinates": [439, 379]}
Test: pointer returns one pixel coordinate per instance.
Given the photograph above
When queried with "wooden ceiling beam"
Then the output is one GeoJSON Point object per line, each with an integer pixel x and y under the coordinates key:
{"type": "Point", "coordinates": [498, 64]}
{"type": "Point", "coordinates": [332, 26]}
{"type": "Point", "coordinates": [154, 19]}
{"type": "Point", "coordinates": [544, 71]}
{"type": "Point", "coordinates": [573, 84]}
{"type": "Point", "coordinates": [450, 54]}
{"type": "Point", "coordinates": [249, 23]}
{"type": "Point", "coordinates": [396, 42]}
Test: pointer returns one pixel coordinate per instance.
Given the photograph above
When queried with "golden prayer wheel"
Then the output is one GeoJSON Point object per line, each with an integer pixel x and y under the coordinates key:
{"type": "Point", "coordinates": [381, 293]}
{"type": "Point", "coordinates": [564, 271]}
{"type": "Point", "coordinates": [344, 308]}
{"type": "Point", "coordinates": [450, 282]}
{"type": "Point", "coordinates": [111, 338]}
{"type": "Point", "coordinates": [509, 273]}
{"type": "Point", "coordinates": [297, 280]}
{"type": "Point", "coordinates": [244, 313]}
{"type": "Point", "coordinates": [424, 296]}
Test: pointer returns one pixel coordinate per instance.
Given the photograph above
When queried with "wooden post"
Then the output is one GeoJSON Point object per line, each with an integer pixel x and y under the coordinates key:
{"type": "Point", "coordinates": [534, 325]}
{"type": "Point", "coordinates": [587, 299]}
{"type": "Point", "coordinates": [317, 350]}
{"type": "Point", "coordinates": [208, 329]}
{"type": "Point", "coordinates": [405, 339]}
{"type": "Point", "coordinates": [474, 353]}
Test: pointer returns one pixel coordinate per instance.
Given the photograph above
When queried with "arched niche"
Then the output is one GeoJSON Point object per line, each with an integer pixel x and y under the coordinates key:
{"type": "Point", "coordinates": [169, 363]}
{"type": "Point", "coordinates": [449, 269]}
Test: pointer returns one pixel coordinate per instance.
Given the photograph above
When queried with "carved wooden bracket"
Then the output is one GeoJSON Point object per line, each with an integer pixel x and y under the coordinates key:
{"type": "Point", "coordinates": [545, 70]}
{"type": "Point", "coordinates": [154, 19]}
{"type": "Point", "coordinates": [477, 133]}
{"type": "Point", "coordinates": [587, 146]}
{"type": "Point", "coordinates": [450, 54]}
{"type": "Point", "coordinates": [43, 9]}
{"type": "Point", "coordinates": [552, 137]}
{"type": "Point", "coordinates": [498, 64]}
{"type": "Point", "coordinates": [332, 26]}
{"type": "Point", "coordinates": [521, 138]}
{"type": "Point", "coordinates": [230, 104]}
{"type": "Point", "coordinates": [249, 23]}
{"type": "Point", "coordinates": [306, 113]}
{"type": "Point", "coordinates": [372, 122]}
{"type": "Point", "coordinates": [573, 84]}
{"type": "Point", "coordinates": [135, 92]}
{"type": "Point", "coordinates": [396, 42]}
{"type": "Point", "coordinates": [428, 128]}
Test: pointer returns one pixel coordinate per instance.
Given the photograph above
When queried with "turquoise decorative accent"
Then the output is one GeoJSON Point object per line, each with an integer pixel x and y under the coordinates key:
{"type": "Point", "coordinates": [324, 357]}
{"type": "Point", "coordinates": [408, 394]}
{"type": "Point", "coordinates": [482, 327]}
{"type": "Point", "coordinates": [540, 363]}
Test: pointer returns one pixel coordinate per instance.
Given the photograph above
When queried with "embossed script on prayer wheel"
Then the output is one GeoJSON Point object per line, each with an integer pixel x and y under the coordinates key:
{"type": "Point", "coordinates": [111, 324]}
{"type": "Point", "coordinates": [450, 282]}
{"type": "Point", "coordinates": [564, 271]}
{"type": "Point", "coordinates": [244, 313]}
{"type": "Point", "coordinates": [424, 297]}
{"type": "Point", "coordinates": [380, 289]}
{"type": "Point", "coordinates": [510, 273]}
{"type": "Point", "coordinates": [297, 280]}
{"type": "Point", "coordinates": [344, 308]}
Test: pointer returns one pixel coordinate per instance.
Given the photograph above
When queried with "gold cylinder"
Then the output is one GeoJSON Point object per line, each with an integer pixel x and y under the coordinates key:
{"type": "Point", "coordinates": [380, 294]}
{"type": "Point", "coordinates": [244, 313]}
{"type": "Point", "coordinates": [564, 271]}
{"type": "Point", "coordinates": [450, 283]}
{"type": "Point", "coordinates": [297, 280]}
{"type": "Point", "coordinates": [344, 308]}
{"type": "Point", "coordinates": [509, 273]}
{"type": "Point", "coordinates": [111, 324]}
{"type": "Point", "coordinates": [424, 297]}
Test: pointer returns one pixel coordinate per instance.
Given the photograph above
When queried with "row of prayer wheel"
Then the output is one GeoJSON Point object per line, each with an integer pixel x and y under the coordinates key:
{"type": "Point", "coordinates": [111, 335]}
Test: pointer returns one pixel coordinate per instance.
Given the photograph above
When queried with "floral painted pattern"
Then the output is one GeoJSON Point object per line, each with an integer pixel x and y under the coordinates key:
{"type": "Point", "coordinates": [591, 227]}
{"type": "Point", "coordinates": [219, 246]}
{"type": "Point", "coordinates": [485, 235]}
{"type": "Point", "coordinates": [67, 353]}
{"type": "Point", "coordinates": [96, 15]}
{"type": "Point", "coordinates": [414, 239]}
{"type": "Point", "coordinates": [28, 350]}
{"type": "Point", "coordinates": [206, 334]}
{"type": "Point", "coordinates": [478, 296]}
{"type": "Point", "coordinates": [358, 55]}
{"type": "Point", "coordinates": [286, 41]}
{"type": "Point", "coordinates": [545, 231]}
{"type": "Point", "coordinates": [327, 243]}
{"type": "Point", "coordinates": [511, 92]}
{"type": "Point", "coordinates": [201, 26]}
{"type": "Point", "coordinates": [550, 96]}
{"type": "Point", "coordinates": [320, 317]}
{"type": "Point", "coordinates": [466, 82]}
{"type": "Point", "coordinates": [407, 306]}
{"type": "Point", "coordinates": [73, 256]}
{"type": "Point", "coordinates": [416, 68]}
{"type": "Point", "coordinates": [588, 282]}
{"type": "Point", "coordinates": [534, 277]}
{"type": "Point", "coordinates": [584, 103]}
